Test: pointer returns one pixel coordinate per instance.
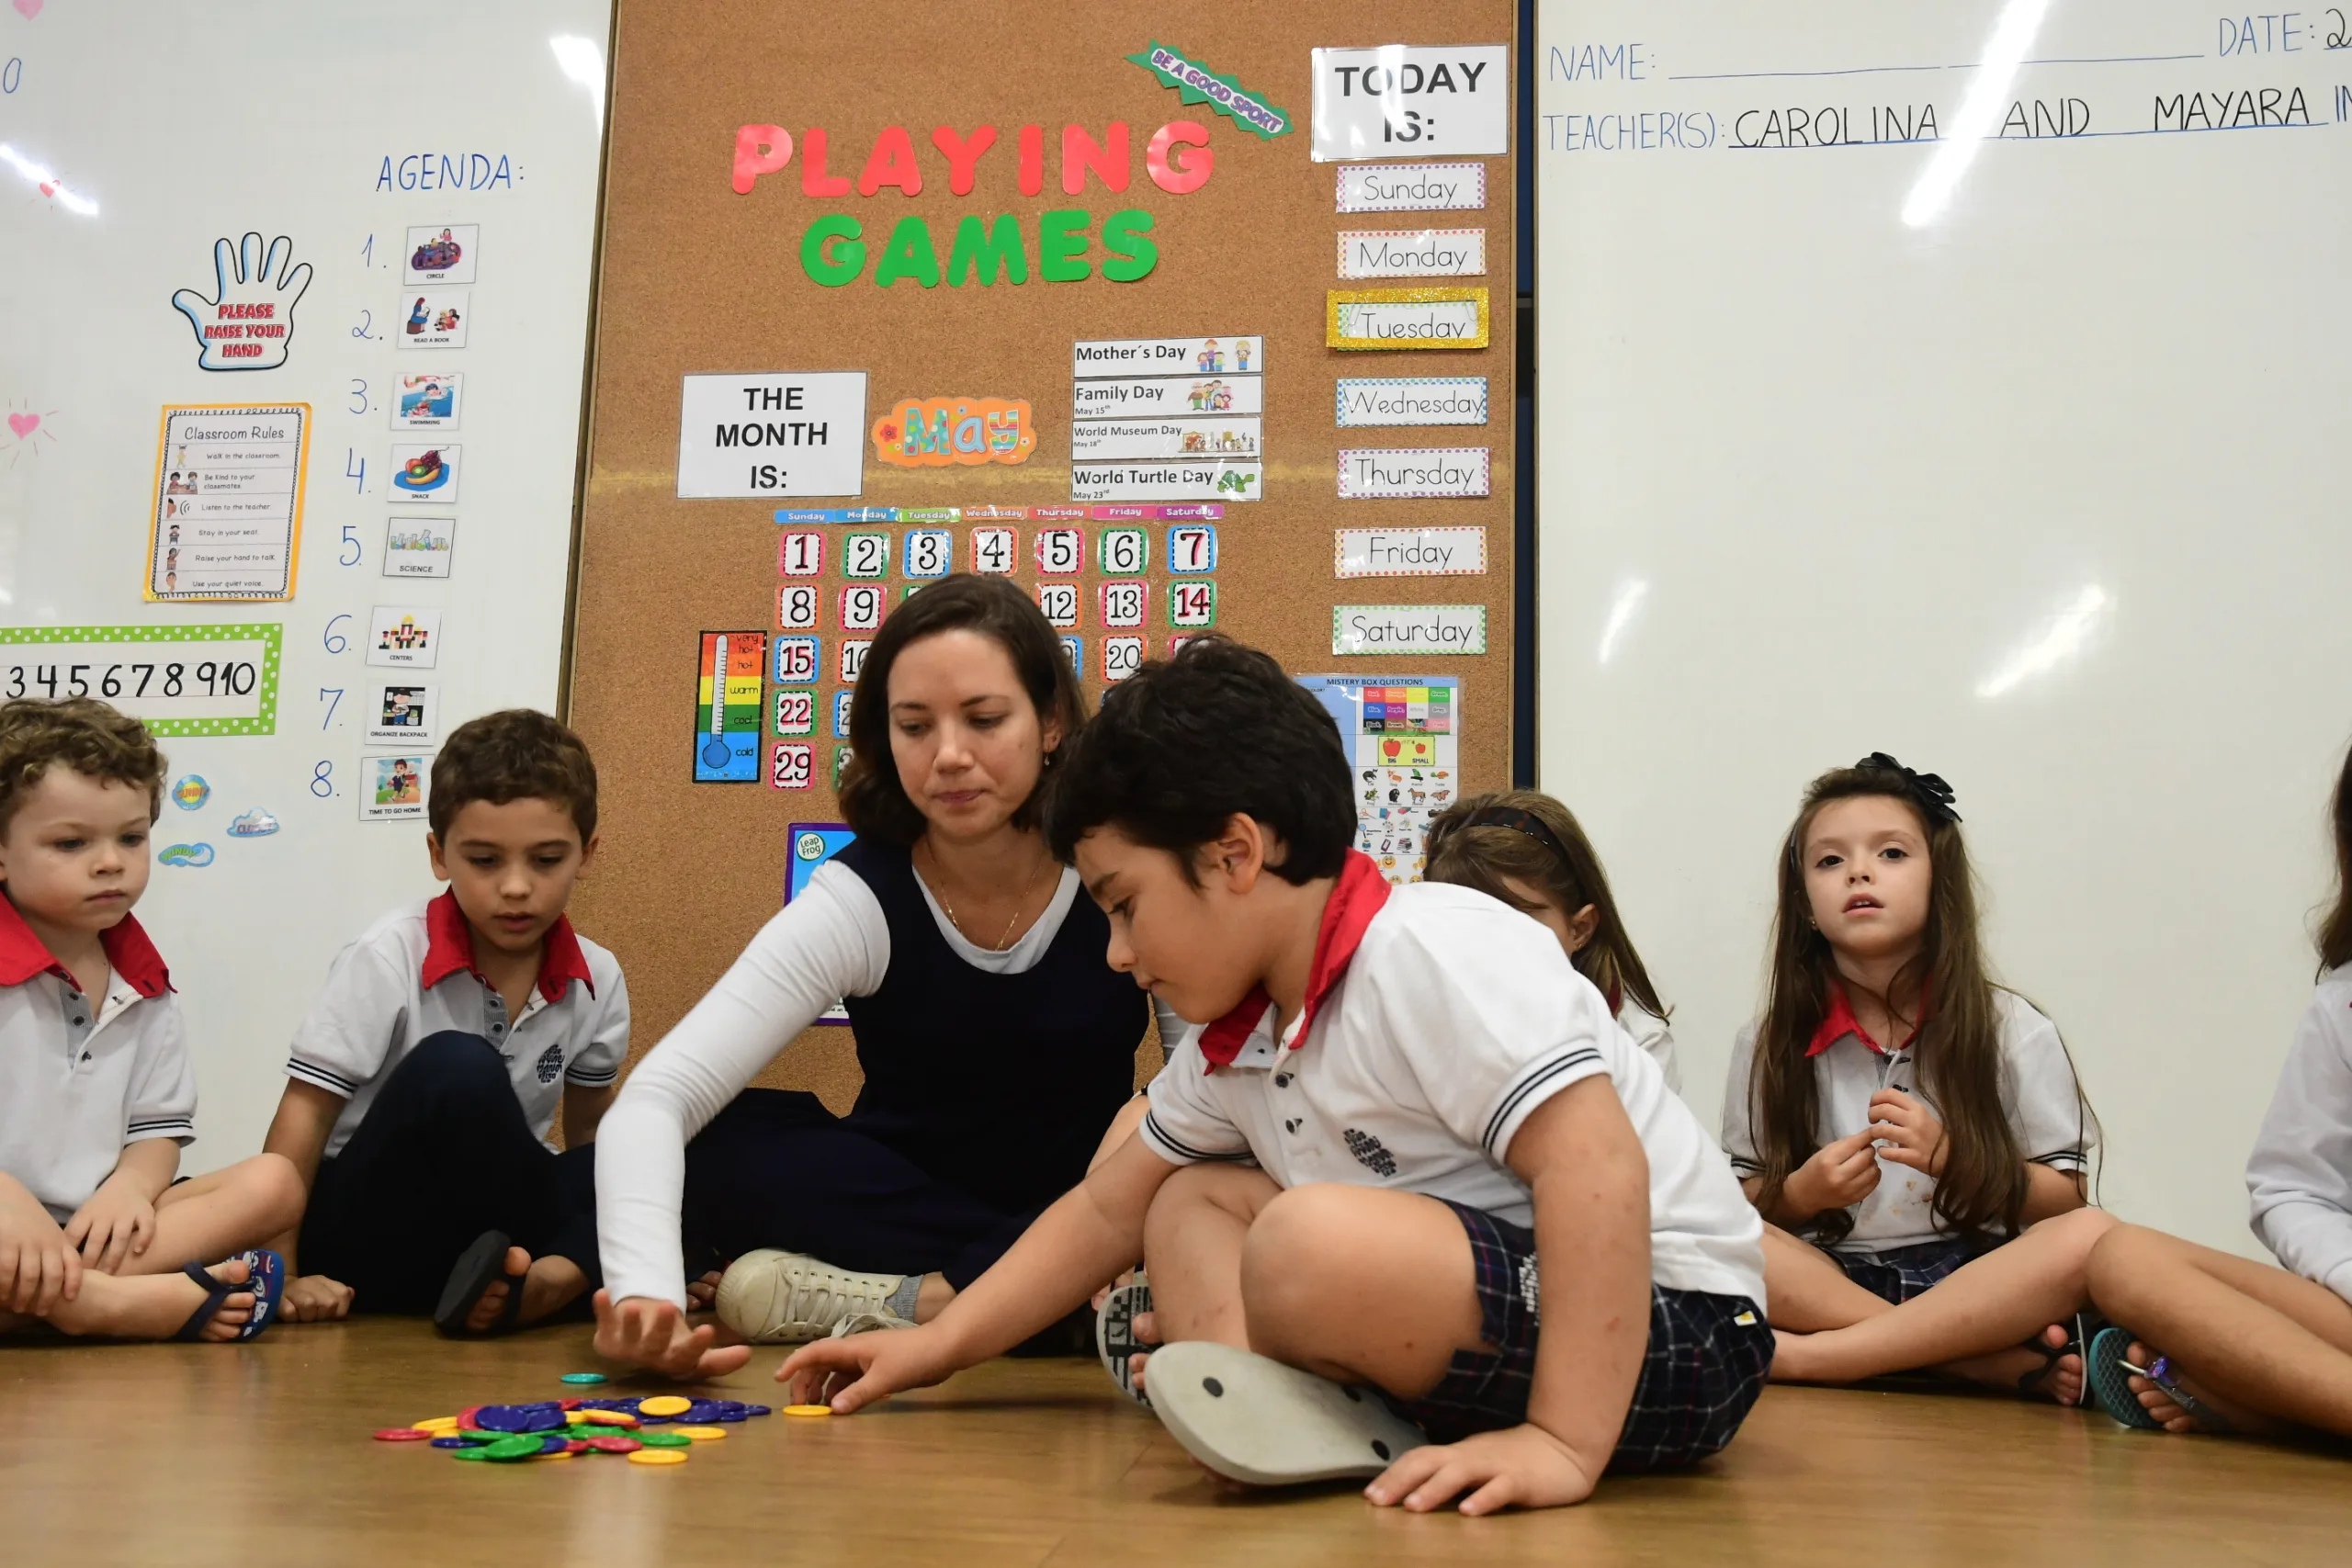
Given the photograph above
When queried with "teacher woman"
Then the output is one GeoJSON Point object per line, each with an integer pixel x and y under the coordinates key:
{"type": "Point", "coordinates": [996, 1042]}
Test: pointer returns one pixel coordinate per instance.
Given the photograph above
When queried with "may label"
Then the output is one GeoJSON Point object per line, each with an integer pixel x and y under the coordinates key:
{"type": "Point", "coordinates": [1409, 628]}
{"type": "Point", "coordinates": [1413, 187]}
{"type": "Point", "coordinates": [1211, 480]}
{"type": "Point", "coordinates": [1412, 252]}
{"type": "Point", "coordinates": [1411, 400]}
{"type": "Point", "coordinates": [1409, 552]}
{"type": "Point", "coordinates": [1390, 473]}
{"type": "Point", "coordinates": [779, 434]}
{"type": "Point", "coordinates": [1405, 318]}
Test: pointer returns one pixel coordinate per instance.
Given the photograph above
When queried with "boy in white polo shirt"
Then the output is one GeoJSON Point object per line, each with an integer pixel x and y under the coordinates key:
{"type": "Point", "coordinates": [424, 1083]}
{"type": "Point", "coordinates": [1408, 1133]}
{"type": "Point", "coordinates": [95, 1095]}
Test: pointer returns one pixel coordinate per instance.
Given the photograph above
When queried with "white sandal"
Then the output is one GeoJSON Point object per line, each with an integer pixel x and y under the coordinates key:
{"type": "Point", "coordinates": [1253, 1419]}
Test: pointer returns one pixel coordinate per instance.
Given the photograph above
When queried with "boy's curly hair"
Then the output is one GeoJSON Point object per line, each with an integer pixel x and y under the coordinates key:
{"type": "Point", "coordinates": [80, 733]}
{"type": "Point", "coordinates": [514, 754]}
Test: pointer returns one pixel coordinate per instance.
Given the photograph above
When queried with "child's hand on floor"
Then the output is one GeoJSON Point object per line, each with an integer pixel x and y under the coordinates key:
{"type": "Point", "coordinates": [39, 1268]}
{"type": "Point", "coordinates": [1838, 1175]}
{"type": "Point", "coordinates": [1914, 1137]}
{"type": "Point", "coordinates": [314, 1298]}
{"type": "Point", "coordinates": [117, 1223]}
{"type": "Point", "coordinates": [642, 1332]}
{"type": "Point", "coordinates": [885, 1362]}
{"type": "Point", "coordinates": [1523, 1467]}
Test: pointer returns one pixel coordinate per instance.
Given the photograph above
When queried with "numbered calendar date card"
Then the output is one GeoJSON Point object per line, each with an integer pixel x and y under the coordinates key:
{"type": "Point", "coordinates": [215, 680]}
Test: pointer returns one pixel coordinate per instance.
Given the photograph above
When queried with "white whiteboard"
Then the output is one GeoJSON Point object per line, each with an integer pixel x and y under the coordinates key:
{"type": "Point", "coordinates": [2025, 468]}
{"type": "Point", "coordinates": [161, 127]}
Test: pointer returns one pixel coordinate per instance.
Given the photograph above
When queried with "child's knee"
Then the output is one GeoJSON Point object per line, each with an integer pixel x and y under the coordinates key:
{"type": "Point", "coordinates": [1299, 1247]}
{"type": "Point", "coordinates": [2080, 1229]}
{"type": "Point", "coordinates": [277, 1187]}
{"type": "Point", "coordinates": [463, 1069]}
{"type": "Point", "coordinates": [2118, 1259]}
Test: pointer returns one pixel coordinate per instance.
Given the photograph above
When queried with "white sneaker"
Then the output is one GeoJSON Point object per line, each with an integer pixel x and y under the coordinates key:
{"type": "Point", "coordinates": [787, 1298]}
{"type": "Point", "coordinates": [866, 1322]}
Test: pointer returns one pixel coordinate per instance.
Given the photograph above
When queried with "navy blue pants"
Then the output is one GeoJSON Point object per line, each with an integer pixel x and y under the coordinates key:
{"type": "Point", "coordinates": [443, 1155]}
{"type": "Point", "coordinates": [776, 1168]}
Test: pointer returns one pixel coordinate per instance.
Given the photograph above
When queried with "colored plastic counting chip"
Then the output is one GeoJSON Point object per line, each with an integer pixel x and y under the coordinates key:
{"type": "Point", "coordinates": [438, 1425]}
{"type": "Point", "coordinates": [700, 1434]}
{"type": "Point", "coordinates": [657, 1456]}
{"type": "Point", "coordinates": [507, 1450]}
{"type": "Point", "coordinates": [615, 1445]}
{"type": "Point", "coordinates": [520, 1417]}
{"type": "Point", "coordinates": [472, 1451]}
{"type": "Point", "coordinates": [455, 1443]}
{"type": "Point", "coordinates": [665, 1404]}
{"type": "Point", "coordinates": [808, 1410]}
{"type": "Point", "coordinates": [608, 1418]}
{"type": "Point", "coordinates": [401, 1435]}
{"type": "Point", "coordinates": [663, 1441]}
{"type": "Point", "coordinates": [584, 1377]}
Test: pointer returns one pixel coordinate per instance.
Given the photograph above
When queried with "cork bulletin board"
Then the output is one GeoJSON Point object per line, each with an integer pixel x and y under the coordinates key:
{"type": "Point", "coordinates": [758, 310]}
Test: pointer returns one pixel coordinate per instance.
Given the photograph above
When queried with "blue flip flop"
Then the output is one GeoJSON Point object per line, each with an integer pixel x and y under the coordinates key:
{"type": "Point", "coordinates": [2112, 1376]}
{"type": "Point", "coordinates": [265, 1278]}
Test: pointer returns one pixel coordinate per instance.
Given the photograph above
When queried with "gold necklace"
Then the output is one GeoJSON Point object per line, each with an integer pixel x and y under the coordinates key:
{"type": "Point", "coordinates": [1005, 939]}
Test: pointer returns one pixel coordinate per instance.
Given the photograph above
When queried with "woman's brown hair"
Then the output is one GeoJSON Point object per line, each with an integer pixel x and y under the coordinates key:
{"type": "Point", "coordinates": [1473, 843]}
{"type": "Point", "coordinates": [1958, 1045]}
{"type": "Point", "coordinates": [2336, 931]}
{"type": "Point", "coordinates": [873, 800]}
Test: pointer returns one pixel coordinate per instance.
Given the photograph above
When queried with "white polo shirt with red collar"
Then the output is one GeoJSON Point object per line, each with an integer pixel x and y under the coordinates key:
{"type": "Point", "coordinates": [1435, 1021]}
{"type": "Point", "coordinates": [2040, 1097]}
{"type": "Point", "coordinates": [412, 976]}
{"type": "Point", "coordinates": [81, 1076]}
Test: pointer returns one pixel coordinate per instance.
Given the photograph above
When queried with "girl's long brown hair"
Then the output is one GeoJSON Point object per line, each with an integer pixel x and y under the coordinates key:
{"type": "Point", "coordinates": [2335, 932]}
{"type": "Point", "coordinates": [1489, 857]}
{"type": "Point", "coordinates": [1958, 1049]}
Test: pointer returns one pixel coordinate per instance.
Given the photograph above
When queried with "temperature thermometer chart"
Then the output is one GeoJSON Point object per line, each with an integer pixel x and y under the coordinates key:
{"type": "Point", "coordinates": [726, 710]}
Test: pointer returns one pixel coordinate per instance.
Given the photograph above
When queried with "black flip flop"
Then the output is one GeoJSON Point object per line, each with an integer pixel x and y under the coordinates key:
{"type": "Point", "coordinates": [478, 1267]}
{"type": "Point", "coordinates": [2087, 1327]}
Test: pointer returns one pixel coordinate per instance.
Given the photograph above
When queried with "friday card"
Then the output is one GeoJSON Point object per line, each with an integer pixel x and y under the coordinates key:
{"type": "Point", "coordinates": [419, 547]}
{"type": "Point", "coordinates": [427, 402]}
{"type": "Point", "coordinates": [445, 255]}
{"type": "Point", "coordinates": [436, 318]}
{"type": "Point", "coordinates": [402, 713]}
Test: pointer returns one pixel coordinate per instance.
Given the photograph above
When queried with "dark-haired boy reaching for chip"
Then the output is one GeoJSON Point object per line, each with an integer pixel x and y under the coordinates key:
{"type": "Point", "coordinates": [1414, 1207]}
{"type": "Point", "coordinates": [423, 1084]}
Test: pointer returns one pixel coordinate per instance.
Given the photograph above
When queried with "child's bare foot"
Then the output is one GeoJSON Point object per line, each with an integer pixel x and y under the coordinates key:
{"type": "Point", "coordinates": [549, 1284]}
{"type": "Point", "coordinates": [2165, 1409]}
{"type": "Point", "coordinates": [702, 1294]}
{"type": "Point", "coordinates": [2028, 1373]}
{"type": "Point", "coordinates": [154, 1307]}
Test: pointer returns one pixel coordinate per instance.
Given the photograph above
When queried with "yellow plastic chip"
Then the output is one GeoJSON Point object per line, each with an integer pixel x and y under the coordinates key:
{"type": "Point", "coordinates": [604, 1417]}
{"type": "Point", "coordinates": [701, 1434]}
{"type": "Point", "coordinates": [436, 1425]}
{"type": "Point", "coordinates": [657, 1456]}
{"type": "Point", "coordinates": [665, 1404]}
{"type": "Point", "coordinates": [808, 1410]}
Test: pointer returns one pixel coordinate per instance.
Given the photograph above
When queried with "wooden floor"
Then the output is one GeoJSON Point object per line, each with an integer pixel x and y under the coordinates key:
{"type": "Point", "coordinates": [140, 1454]}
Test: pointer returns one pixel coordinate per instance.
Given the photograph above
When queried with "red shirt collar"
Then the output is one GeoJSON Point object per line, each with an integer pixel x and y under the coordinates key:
{"type": "Point", "coordinates": [24, 954]}
{"type": "Point", "coordinates": [449, 948]}
{"type": "Point", "coordinates": [1355, 898]}
{"type": "Point", "coordinates": [1841, 1023]}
